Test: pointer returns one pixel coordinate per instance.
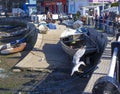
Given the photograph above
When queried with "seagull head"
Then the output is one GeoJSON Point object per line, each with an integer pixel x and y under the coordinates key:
{"type": "Point", "coordinates": [76, 67]}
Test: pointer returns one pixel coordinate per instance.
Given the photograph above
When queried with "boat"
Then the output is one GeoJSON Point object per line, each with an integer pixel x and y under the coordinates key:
{"type": "Point", "coordinates": [43, 28]}
{"type": "Point", "coordinates": [68, 23]}
{"type": "Point", "coordinates": [12, 34]}
{"type": "Point", "coordinates": [73, 40]}
{"type": "Point", "coordinates": [85, 46]}
{"type": "Point", "coordinates": [7, 26]}
{"type": "Point", "coordinates": [14, 48]}
{"type": "Point", "coordinates": [8, 45]}
{"type": "Point", "coordinates": [77, 24]}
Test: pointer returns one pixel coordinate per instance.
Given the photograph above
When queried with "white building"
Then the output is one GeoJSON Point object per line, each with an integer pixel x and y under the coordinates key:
{"type": "Point", "coordinates": [77, 5]}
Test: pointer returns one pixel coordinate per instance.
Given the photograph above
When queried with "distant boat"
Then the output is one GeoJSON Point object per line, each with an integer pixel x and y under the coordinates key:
{"type": "Point", "coordinates": [43, 29]}
{"type": "Point", "coordinates": [14, 48]}
{"type": "Point", "coordinates": [68, 23]}
{"type": "Point", "coordinates": [12, 34]}
{"type": "Point", "coordinates": [77, 24]}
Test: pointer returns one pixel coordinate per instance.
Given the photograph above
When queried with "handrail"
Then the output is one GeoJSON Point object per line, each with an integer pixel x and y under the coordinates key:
{"type": "Point", "coordinates": [113, 63]}
{"type": "Point", "coordinates": [114, 60]}
{"type": "Point", "coordinates": [110, 83]}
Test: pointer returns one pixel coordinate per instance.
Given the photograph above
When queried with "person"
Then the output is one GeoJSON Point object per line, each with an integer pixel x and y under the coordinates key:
{"type": "Point", "coordinates": [100, 21]}
{"type": "Point", "coordinates": [70, 16]}
{"type": "Point", "coordinates": [60, 18]}
{"type": "Point", "coordinates": [96, 20]}
{"type": "Point", "coordinates": [6, 12]}
{"type": "Point", "coordinates": [49, 16]}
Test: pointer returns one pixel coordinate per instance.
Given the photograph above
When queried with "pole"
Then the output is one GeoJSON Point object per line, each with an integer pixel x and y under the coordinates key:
{"type": "Point", "coordinates": [103, 5]}
{"type": "Point", "coordinates": [113, 63]}
{"type": "Point", "coordinates": [119, 6]}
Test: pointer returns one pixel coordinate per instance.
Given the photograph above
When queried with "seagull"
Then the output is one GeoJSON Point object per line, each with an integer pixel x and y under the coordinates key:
{"type": "Point", "coordinates": [76, 60]}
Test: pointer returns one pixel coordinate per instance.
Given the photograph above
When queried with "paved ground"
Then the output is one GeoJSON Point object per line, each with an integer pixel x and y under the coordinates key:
{"type": "Point", "coordinates": [47, 51]}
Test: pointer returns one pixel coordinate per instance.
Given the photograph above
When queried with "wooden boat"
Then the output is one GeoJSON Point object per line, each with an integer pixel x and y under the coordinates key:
{"type": "Point", "coordinates": [9, 45]}
{"type": "Point", "coordinates": [12, 34]}
{"type": "Point", "coordinates": [14, 49]}
{"type": "Point", "coordinates": [74, 41]}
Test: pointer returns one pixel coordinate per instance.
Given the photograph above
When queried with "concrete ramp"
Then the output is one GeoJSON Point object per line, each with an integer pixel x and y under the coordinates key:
{"type": "Point", "coordinates": [47, 52]}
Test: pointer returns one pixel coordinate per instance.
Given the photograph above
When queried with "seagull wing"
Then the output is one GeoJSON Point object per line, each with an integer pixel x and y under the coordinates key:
{"type": "Point", "coordinates": [80, 52]}
{"type": "Point", "coordinates": [78, 55]}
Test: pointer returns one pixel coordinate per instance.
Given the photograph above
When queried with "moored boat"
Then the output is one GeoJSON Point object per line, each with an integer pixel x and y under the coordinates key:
{"type": "Point", "coordinates": [8, 45]}
{"type": "Point", "coordinates": [74, 41]}
{"type": "Point", "coordinates": [85, 48]}
{"type": "Point", "coordinates": [12, 34]}
{"type": "Point", "coordinates": [14, 49]}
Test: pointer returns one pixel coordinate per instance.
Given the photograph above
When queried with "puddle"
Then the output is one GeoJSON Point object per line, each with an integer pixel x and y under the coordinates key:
{"type": "Point", "coordinates": [3, 73]}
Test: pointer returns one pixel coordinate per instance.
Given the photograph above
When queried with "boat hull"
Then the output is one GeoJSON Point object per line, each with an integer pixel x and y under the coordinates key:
{"type": "Point", "coordinates": [14, 49]}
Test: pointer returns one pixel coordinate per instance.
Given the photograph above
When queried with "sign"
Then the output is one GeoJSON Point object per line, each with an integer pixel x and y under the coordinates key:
{"type": "Point", "coordinates": [32, 1]}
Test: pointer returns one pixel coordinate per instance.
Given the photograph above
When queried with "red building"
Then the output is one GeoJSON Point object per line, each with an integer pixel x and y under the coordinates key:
{"type": "Point", "coordinates": [55, 6]}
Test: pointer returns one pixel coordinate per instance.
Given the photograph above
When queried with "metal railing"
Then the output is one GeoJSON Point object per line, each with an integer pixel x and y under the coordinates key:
{"type": "Point", "coordinates": [110, 84]}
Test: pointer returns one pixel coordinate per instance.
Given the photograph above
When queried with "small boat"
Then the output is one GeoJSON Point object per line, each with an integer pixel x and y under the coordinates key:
{"type": "Point", "coordinates": [68, 23]}
{"type": "Point", "coordinates": [77, 24]}
{"type": "Point", "coordinates": [14, 48]}
{"type": "Point", "coordinates": [12, 34]}
{"type": "Point", "coordinates": [51, 26]}
{"type": "Point", "coordinates": [43, 29]}
{"type": "Point", "coordinates": [74, 41]}
{"type": "Point", "coordinates": [8, 45]}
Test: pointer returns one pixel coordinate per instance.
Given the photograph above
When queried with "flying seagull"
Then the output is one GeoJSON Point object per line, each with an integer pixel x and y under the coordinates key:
{"type": "Point", "coordinates": [76, 60]}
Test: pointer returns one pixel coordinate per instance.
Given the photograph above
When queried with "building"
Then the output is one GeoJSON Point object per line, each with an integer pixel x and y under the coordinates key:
{"type": "Point", "coordinates": [55, 6]}
{"type": "Point", "coordinates": [30, 7]}
{"type": "Point", "coordinates": [101, 5]}
{"type": "Point", "coordinates": [9, 4]}
{"type": "Point", "coordinates": [76, 5]}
